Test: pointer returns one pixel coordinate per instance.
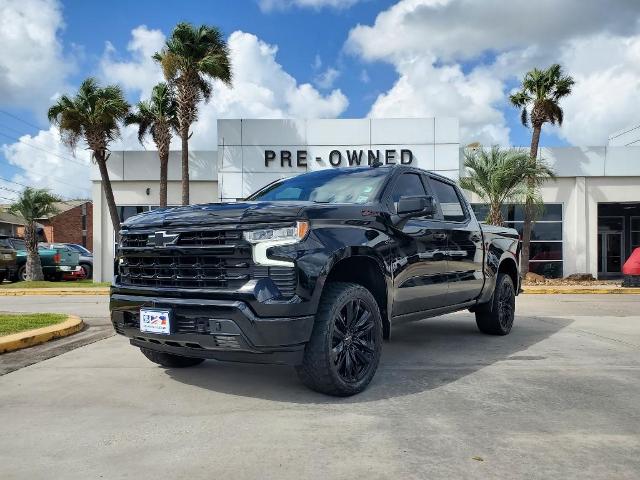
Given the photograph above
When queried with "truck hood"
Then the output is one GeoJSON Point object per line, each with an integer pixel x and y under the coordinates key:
{"type": "Point", "coordinates": [219, 213]}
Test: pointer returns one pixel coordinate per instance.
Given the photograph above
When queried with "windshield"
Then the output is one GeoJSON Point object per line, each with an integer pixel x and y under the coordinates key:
{"type": "Point", "coordinates": [327, 186]}
{"type": "Point", "coordinates": [19, 244]}
{"type": "Point", "coordinates": [78, 248]}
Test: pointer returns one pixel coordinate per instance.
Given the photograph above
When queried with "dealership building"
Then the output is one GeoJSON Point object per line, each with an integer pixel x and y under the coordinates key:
{"type": "Point", "coordinates": [590, 223]}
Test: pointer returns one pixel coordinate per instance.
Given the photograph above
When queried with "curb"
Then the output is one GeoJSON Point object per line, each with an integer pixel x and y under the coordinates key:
{"type": "Point", "coordinates": [17, 292]}
{"type": "Point", "coordinates": [580, 291]}
{"type": "Point", "coordinates": [29, 338]}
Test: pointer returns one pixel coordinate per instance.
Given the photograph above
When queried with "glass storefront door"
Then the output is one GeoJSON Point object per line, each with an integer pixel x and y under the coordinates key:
{"type": "Point", "coordinates": [610, 246]}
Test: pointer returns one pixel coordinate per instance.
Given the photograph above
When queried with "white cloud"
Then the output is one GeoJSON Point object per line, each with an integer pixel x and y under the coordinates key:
{"type": "Point", "coordinates": [261, 87]}
{"type": "Point", "coordinates": [326, 79]}
{"type": "Point", "coordinates": [140, 72]}
{"type": "Point", "coordinates": [429, 41]}
{"type": "Point", "coordinates": [423, 90]}
{"type": "Point", "coordinates": [49, 164]}
{"type": "Point", "coordinates": [462, 29]}
{"type": "Point", "coordinates": [606, 97]}
{"type": "Point", "coordinates": [32, 65]}
{"type": "Point", "coordinates": [271, 5]}
{"type": "Point", "coordinates": [317, 62]}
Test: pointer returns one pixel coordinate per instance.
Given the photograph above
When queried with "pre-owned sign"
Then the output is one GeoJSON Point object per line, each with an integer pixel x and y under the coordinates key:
{"type": "Point", "coordinates": [338, 158]}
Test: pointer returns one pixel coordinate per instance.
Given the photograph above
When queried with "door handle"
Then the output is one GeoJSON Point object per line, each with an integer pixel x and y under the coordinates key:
{"type": "Point", "coordinates": [439, 236]}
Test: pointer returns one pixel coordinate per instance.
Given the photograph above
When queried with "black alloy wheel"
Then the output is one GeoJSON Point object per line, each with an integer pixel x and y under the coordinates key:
{"type": "Point", "coordinates": [344, 350]}
{"type": "Point", "coordinates": [353, 342]}
{"type": "Point", "coordinates": [496, 317]}
{"type": "Point", "coordinates": [506, 306]}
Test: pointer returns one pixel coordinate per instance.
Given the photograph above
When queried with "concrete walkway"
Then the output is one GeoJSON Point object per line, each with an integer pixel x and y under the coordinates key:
{"type": "Point", "coordinates": [558, 398]}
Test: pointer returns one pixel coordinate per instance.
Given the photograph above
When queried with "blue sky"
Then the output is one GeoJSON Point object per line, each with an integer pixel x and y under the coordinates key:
{"type": "Point", "coordinates": [424, 60]}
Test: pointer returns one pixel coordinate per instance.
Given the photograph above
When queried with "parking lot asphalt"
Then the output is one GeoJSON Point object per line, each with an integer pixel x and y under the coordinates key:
{"type": "Point", "coordinates": [557, 398]}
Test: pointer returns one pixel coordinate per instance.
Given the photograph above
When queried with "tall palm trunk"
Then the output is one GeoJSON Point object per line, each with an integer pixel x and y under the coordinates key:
{"type": "Point", "coordinates": [184, 136]}
{"type": "Point", "coordinates": [187, 98]}
{"type": "Point", "coordinates": [101, 160]}
{"type": "Point", "coordinates": [162, 139]}
{"type": "Point", "coordinates": [164, 167]}
{"type": "Point", "coordinates": [529, 206]}
{"type": "Point", "coordinates": [34, 266]}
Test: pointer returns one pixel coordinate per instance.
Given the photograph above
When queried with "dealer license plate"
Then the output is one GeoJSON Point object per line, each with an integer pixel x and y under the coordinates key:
{"type": "Point", "coordinates": [155, 321]}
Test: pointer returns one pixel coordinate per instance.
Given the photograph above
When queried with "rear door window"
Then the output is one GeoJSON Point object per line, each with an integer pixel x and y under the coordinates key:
{"type": "Point", "coordinates": [452, 208]}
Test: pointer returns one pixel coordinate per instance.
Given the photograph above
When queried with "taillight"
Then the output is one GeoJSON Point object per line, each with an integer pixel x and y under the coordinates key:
{"type": "Point", "coordinates": [56, 258]}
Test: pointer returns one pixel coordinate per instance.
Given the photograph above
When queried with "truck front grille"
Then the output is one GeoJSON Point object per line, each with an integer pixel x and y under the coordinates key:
{"type": "Point", "coordinates": [197, 260]}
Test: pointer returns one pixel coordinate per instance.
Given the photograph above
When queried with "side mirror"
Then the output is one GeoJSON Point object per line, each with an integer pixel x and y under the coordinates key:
{"type": "Point", "coordinates": [415, 206]}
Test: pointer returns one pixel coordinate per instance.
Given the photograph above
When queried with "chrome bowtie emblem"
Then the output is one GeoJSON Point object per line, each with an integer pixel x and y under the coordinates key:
{"type": "Point", "coordinates": [161, 239]}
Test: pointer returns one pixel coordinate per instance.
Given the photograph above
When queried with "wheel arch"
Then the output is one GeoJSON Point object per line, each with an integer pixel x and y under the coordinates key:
{"type": "Point", "coordinates": [366, 269]}
{"type": "Point", "coordinates": [508, 266]}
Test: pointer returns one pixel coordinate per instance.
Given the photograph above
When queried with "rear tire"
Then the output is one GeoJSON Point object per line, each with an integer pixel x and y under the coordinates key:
{"type": "Point", "coordinates": [87, 270]}
{"type": "Point", "coordinates": [496, 317]}
{"type": "Point", "coordinates": [169, 360]}
{"type": "Point", "coordinates": [21, 276]}
{"type": "Point", "coordinates": [344, 350]}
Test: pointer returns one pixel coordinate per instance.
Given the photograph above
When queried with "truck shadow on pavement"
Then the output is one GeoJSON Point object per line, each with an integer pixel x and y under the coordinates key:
{"type": "Point", "coordinates": [420, 356]}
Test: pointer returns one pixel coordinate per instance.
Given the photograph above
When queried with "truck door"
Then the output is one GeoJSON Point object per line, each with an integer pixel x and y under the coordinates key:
{"type": "Point", "coordinates": [419, 263]}
{"type": "Point", "coordinates": [464, 244]}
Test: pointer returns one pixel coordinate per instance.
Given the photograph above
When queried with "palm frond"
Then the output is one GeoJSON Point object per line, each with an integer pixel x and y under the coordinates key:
{"type": "Point", "coordinates": [34, 203]}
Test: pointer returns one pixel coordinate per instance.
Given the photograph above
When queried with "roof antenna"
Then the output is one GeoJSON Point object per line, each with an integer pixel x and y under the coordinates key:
{"type": "Point", "coordinates": [376, 164]}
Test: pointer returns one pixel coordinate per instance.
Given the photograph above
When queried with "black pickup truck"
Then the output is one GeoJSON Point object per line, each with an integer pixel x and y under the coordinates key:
{"type": "Point", "coordinates": [311, 271]}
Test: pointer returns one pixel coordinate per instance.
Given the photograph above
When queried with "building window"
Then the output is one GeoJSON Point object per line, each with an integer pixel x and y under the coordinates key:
{"type": "Point", "coordinates": [124, 212]}
{"type": "Point", "coordinates": [546, 251]}
{"type": "Point", "coordinates": [84, 216]}
{"type": "Point", "coordinates": [127, 211]}
{"type": "Point", "coordinates": [635, 233]}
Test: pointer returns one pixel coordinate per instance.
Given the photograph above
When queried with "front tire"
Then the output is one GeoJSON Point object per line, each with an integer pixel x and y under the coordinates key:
{"type": "Point", "coordinates": [169, 360]}
{"type": "Point", "coordinates": [496, 317]}
{"type": "Point", "coordinates": [343, 353]}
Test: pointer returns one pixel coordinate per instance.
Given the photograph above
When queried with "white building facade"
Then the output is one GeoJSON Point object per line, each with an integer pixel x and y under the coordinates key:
{"type": "Point", "coordinates": [592, 211]}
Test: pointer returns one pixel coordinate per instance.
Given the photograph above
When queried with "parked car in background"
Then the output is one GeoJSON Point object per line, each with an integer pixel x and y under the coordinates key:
{"type": "Point", "coordinates": [56, 261]}
{"type": "Point", "coordinates": [8, 264]}
{"type": "Point", "coordinates": [86, 258]}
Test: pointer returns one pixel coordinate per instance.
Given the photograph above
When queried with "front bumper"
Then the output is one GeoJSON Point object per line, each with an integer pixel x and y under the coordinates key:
{"type": "Point", "coordinates": [216, 329]}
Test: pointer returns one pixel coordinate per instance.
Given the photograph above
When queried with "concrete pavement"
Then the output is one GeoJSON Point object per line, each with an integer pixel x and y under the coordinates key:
{"type": "Point", "coordinates": [94, 312]}
{"type": "Point", "coordinates": [558, 398]}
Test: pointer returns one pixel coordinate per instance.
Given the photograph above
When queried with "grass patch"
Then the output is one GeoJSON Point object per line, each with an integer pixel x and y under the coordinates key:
{"type": "Point", "coordinates": [43, 284]}
{"type": "Point", "coordinates": [19, 322]}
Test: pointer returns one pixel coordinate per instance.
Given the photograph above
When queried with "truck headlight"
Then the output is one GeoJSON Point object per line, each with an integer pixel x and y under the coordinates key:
{"type": "Point", "coordinates": [265, 238]}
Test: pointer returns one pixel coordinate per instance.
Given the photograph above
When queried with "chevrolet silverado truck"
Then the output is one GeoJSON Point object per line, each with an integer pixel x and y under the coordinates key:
{"type": "Point", "coordinates": [311, 271]}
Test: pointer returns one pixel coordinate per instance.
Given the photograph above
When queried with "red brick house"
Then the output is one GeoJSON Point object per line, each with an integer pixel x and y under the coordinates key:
{"type": "Point", "coordinates": [72, 224]}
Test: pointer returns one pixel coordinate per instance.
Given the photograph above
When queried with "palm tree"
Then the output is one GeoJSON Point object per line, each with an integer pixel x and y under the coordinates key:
{"type": "Point", "coordinates": [93, 115]}
{"type": "Point", "coordinates": [502, 176]}
{"type": "Point", "coordinates": [33, 204]}
{"type": "Point", "coordinates": [539, 103]}
{"type": "Point", "coordinates": [191, 59]}
{"type": "Point", "coordinates": [157, 116]}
